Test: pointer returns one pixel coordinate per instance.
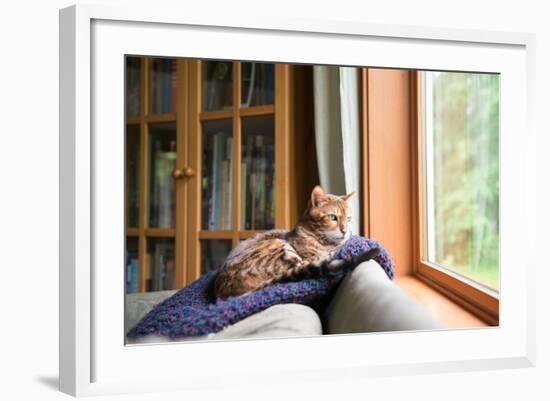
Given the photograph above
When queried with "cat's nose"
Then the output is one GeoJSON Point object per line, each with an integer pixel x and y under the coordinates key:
{"type": "Point", "coordinates": [343, 229]}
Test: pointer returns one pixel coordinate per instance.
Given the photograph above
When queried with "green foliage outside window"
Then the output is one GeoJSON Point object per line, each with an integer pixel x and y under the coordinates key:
{"type": "Point", "coordinates": [465, 135]}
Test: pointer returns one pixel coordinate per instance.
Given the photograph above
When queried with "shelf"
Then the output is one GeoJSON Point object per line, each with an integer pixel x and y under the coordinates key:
{"type": "Point", "coordinates": [249, 233]}
{"type": "Point", "coordinates": [160, 232]}
{"type": "Point", "coordinates": [220, 234]}
{"type": "Point", "coordinates": [449, 313]}
{"type": "Point", "coordinates": [216, 115]}
{"type": "Point", "coordinates": [161, 118]}
{"type": "Point", "coordinates": [150, 232]}
{"type": "Point", "coordinates": [207, 234]}
{"type": "Point", "coordinates": [257, 111]}
{"type": "Point", "coordinates": [132, 232]}
{"type": "Point", "coordinates": [152, 118]}
{"type": "Point", "coordinates": [244, 112]}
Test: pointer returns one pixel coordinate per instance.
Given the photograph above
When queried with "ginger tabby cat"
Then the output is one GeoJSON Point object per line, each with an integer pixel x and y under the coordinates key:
{"type": "Point", "coordinates": [303, 252]}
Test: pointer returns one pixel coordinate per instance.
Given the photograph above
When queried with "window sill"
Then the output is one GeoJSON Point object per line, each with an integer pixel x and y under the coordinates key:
{"type": "Point", "coordinates": [446, 311]}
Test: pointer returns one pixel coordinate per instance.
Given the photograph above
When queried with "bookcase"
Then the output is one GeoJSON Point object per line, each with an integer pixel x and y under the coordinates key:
{"type": "Point", "coordinates": [211, 151]}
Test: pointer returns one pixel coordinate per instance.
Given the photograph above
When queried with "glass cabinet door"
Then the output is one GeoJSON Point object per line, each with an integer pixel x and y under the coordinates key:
{"type": "Point", "coordinates": [161, 261]}
{"type": "Point", "coordinates": [163, 86]}
{"type": "Point", "coordinates": [257, 173]}
{"type": "Point", "coordinates": [225, 128]}
{"type": "Point", "coordinates": [132, 175]}
{"type": "Point", "coordinates": [132, 264]}
{"type": "Point", "coordinates": [162, 185]}
{"type": "Point", "coordinates": [213, 254]}
{"type": "Point", "coordinates": [133, 86]}
{"type": "Point", "coordinates": [258, 84]}
{"type": "Point", "coordinates": [237, 121]}
{"type": "Point", "coordinates": [151, 156]}
{"type": "Point", "coordinates": [217, 182]}
{"type": "Point", "coordinates": [217, 85]}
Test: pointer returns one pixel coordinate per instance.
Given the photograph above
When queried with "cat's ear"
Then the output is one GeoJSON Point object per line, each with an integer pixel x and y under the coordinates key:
{"type": "Point", "coordinates": [316, 195]}
{"type": "Point", "coordinates": [346, 197]}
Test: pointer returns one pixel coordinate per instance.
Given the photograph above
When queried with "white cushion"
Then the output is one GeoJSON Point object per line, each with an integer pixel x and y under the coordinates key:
{"type": "Point", "coordinates": [288, 320]}
{"type": "Point", "coordinates": [368, 301]}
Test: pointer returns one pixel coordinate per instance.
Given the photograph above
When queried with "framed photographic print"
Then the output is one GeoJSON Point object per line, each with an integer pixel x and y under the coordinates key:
{"type": "Point", "coordinates": [289, 199]}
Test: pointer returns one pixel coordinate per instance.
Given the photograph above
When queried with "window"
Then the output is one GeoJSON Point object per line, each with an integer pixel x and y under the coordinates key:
{"type": "Point", "coordinates": [459, 185]}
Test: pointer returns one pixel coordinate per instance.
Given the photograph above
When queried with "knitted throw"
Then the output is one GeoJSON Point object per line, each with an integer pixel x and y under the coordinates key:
{"type": "Point", "coordinates": [193, 312]}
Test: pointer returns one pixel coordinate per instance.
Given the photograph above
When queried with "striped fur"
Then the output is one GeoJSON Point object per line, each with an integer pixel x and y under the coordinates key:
{"type": "Point", "coordinates": [281, 255]}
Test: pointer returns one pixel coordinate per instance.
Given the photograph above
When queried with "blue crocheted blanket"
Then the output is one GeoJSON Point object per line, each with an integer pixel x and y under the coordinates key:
{"type": "Point", "coordinates": [193, 312]}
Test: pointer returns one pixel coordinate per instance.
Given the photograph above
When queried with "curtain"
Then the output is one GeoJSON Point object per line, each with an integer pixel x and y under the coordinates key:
{"type": "Point", "coordinates": [337, 132]}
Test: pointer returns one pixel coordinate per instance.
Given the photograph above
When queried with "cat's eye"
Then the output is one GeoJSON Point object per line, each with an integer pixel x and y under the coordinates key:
{"type": "Point", "coordinates": [332, 217]}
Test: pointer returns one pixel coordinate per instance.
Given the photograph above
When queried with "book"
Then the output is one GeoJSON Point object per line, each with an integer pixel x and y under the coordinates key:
{"type": "Point", "coordinates": [169, 282]}
{"type": "Point", "coordinates": [132, 278]}
{"type": "Point", "coordinates": [163, 85]}
{"type": "Point", "coordinates": [174, 84]}
{"type": "Point", "coordinates": [150, 273]}
{"type": "Point", "coordinates": [223, 192]}
{"type": "Point", "coordinates": [158, 272]}
{"type": "Point", "coordinates": [249, 188]}
{"type": "Point", "coordinates": [163, 199]}
{"type": "Point", "coordinates": [133, 80]}
{"type": "Point", "coordinates": [132, 270]}
{"type": "Point", "coordinates": [149, 276]}
{"type": "Point", "coordinates": [154, 86]}
{"type": "Point", "coordinates": [164, 261]}
{"type": "Point", "coordinates": [269, 85]}
{"type": "Point", "coordinates": [243, 194]}
{"type": "Point", "coordinates": [217, 86]}
{"type": "Point", "coordinates": [229, 183]}
{"type": "Point", "coordinates": [213, 221]}
{"type": "Point", "coordinates": [163, 256]}
{"type": "Point", "coordinates": [248, 85]}
{"type": "Point", "coordinates": [206, 189]}
{"type": "Point", "coordinates": [167, 86]}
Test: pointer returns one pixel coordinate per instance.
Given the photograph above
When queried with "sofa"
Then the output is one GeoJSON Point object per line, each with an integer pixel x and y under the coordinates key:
{"type": "Point", "coordinates": [365, 301]}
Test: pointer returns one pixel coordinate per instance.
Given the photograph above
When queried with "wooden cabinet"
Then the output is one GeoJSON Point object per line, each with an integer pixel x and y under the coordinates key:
{"type": "Point", "coordinates": [209, 151]}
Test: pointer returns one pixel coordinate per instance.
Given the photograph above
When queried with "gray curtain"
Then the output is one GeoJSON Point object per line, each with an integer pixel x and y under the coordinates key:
{"type": "Point", "coordinates": [337, 132]}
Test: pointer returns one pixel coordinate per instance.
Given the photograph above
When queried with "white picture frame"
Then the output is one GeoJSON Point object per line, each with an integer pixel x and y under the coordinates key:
{"type": "Point", "coordinates": [93, 358]}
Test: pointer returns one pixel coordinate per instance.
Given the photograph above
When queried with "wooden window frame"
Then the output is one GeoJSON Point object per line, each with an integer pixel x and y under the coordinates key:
{"type": "Point", "coordinates": [476, 298]}
{"type": "Point", "coordinates": [392, 187]}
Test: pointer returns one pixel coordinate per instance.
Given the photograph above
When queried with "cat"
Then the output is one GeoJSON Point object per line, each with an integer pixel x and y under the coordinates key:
{"type": "Point", "coordinates": [303, 252]}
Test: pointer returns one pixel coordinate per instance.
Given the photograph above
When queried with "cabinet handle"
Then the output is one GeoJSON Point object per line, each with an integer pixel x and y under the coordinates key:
{"type": "Point", "coordinates": [183, 173]}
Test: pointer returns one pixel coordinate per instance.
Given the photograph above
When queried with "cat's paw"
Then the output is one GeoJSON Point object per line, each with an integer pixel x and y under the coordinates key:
{"type": "Point", "coordinates": [365, 256]}
{"type": "Point", "coordinates": [335, 267]}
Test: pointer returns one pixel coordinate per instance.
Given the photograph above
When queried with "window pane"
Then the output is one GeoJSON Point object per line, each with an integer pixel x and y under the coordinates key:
{"type": "Point", "coordinates": [132, 265]}
{"type": "Point", "coordinates": [217, 183]}
{"type": "Point", "coordinates": [162, 187]}
{"type": "Point", "coordinates": [160, 273]}
{"type": "Point", "coordinates": [163, 85]}
{"type": "Point", "coordinates": [217, 85]}
{"type": "Point", "coordinates": [132, 175]}
{"type": "Point", "coordinates": [258, 84]}
{"type": "Point", "coordinates": [462, 149]}
{"type": "Point", "coordinates": [133, 86]}
{"type": "Point", "coordinates": [257, 173]}
{"type": "Point", "coordinates": [213, 254]}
